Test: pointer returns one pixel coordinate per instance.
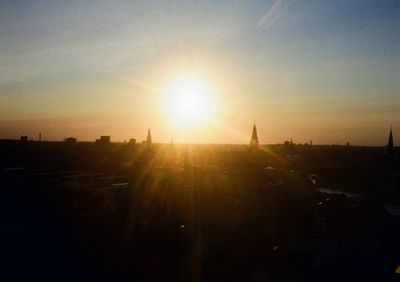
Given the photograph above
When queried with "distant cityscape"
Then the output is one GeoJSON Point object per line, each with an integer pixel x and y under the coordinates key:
{"type": "Point", "coordinates": [254, 141]}
{"type": "Point", "coordinates": [252, 210]}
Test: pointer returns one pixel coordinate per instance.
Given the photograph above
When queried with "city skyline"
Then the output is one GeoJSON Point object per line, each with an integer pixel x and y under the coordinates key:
{"type": "Point", "coordinates": [325, 72]}
{"type": "Point", "coordinates": [186, 140]}
{"type": "Point", "coordinates": [254, 142]}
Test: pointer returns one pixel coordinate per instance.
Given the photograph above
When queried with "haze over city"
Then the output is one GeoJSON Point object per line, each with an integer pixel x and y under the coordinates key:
{"type": "Point", "coordinates": [325, 71]}
{"type": "Point", "coordinates": [199, 141]}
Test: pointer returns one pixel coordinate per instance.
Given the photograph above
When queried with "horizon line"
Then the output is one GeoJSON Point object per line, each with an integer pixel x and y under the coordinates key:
{"type": "Point", "coordinates": [143, 142]}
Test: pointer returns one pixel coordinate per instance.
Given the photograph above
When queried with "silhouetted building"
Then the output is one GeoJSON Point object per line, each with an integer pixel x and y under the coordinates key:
{"type": "Point", "coordinates": [70, 140]}
{"type": "Point", "coordinates": [390, 147]}
{"type": "Point", "coordinates": [254, 138]}
{"type": "Point", "coordinates": [286, 145]}
{"type": "Point", "coordinates": [103, 140]}
{"type": "Point", "coordinates": [132, 141]}
{"type": "Point", "coordinates": [148, 138]}
{"type": "Point", "coordinates": [24, 139]}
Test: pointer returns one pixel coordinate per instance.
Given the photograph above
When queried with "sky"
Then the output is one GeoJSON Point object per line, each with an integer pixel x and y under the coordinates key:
{"type": "Point", "coordinates": [326, 71]}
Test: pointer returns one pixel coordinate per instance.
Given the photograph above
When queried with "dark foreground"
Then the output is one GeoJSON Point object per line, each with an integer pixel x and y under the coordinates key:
{"type": "Point", "coordinates": [197, 213]}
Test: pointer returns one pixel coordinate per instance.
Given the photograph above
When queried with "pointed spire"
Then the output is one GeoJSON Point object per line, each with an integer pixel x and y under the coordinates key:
{"type": "Point", "coordinates": [390, 141]}
{"type": "Point", "coordinates": [254, 137]}
{"type": "Point", "coordinates": [148, 139]}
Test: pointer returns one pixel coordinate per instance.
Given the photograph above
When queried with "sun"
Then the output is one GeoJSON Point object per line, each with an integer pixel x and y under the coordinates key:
{"type": "Point", "coordinates": [189, 101]}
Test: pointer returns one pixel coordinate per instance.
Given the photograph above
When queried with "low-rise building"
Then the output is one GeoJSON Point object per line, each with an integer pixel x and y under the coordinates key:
{"type": "Point", "coordinates": [104, 140]}
{"type": "Point", "coordinates": [70, 140]}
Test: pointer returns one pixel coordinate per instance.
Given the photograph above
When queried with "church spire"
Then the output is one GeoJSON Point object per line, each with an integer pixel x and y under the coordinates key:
{"type": "Point", "coordinates": [390, 142]}
{"type": "Point", "coordinates": [254, 138]}
{"type": "Point", "coordinates": [148, 139]}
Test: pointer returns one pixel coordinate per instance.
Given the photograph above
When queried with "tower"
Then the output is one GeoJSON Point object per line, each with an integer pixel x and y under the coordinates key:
{"type": "Point", "coordinates": [390, 147]}
{"type": "Point", "coordinates": [254, 138]}
{"type": "Point", "coordinates": [148, 138]}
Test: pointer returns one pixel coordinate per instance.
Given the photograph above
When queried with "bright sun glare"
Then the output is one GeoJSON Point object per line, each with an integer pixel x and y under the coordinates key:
{"type": "Point", "coordinates": [189, 101]}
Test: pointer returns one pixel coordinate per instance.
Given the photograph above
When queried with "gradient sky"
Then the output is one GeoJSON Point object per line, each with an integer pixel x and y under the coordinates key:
{"type": "Point", "coordinates": [327, 71]}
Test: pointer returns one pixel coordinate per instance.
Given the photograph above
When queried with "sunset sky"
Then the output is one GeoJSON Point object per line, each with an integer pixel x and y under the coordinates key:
{"type": "Point", "coordinates": [327, 71]}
